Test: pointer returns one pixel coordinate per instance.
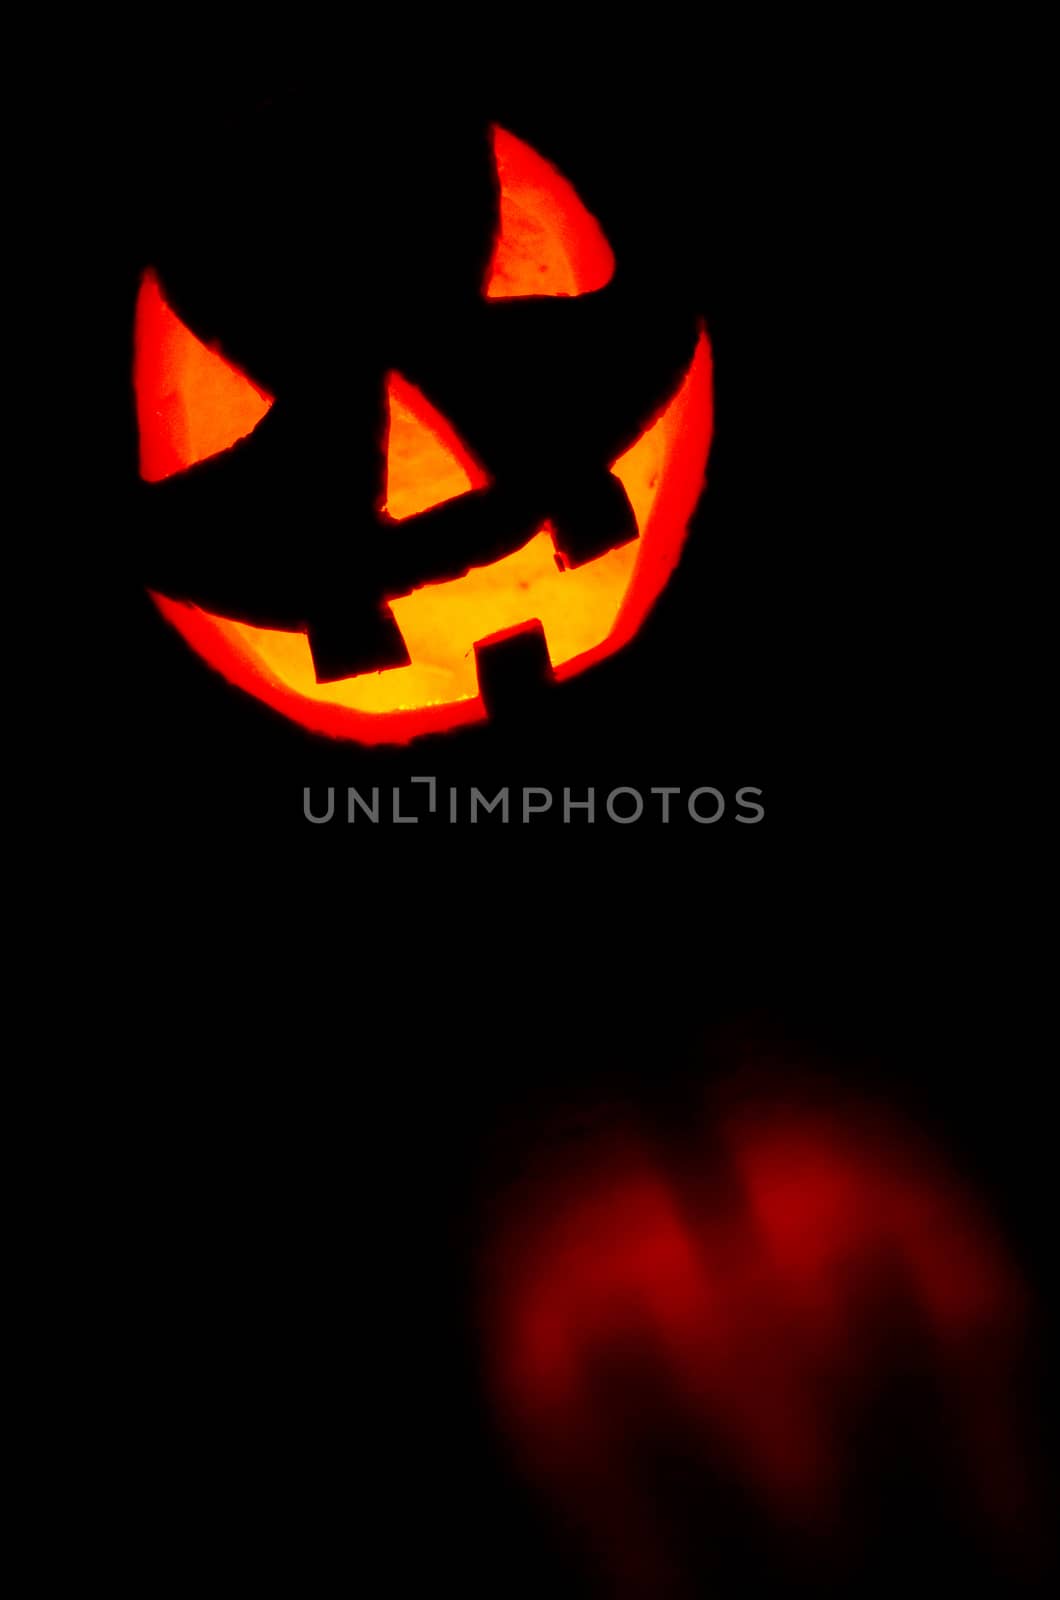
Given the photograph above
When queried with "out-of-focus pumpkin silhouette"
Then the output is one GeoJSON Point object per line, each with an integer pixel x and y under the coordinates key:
{"type": "Point", "coordinates": [746, 1314]}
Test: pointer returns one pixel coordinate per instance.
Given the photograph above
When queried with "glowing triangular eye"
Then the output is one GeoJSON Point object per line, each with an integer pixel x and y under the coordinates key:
{"type": "Point", "coordinates": [426, 460]}
{"type": "Point", "coordinates": [548, 243]}
{"type": "Point", "coordinates": [190, 402]}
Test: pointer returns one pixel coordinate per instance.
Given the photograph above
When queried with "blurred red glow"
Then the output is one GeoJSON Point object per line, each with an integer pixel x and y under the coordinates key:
{"type": "Point", "coordinates": [751, 1308]}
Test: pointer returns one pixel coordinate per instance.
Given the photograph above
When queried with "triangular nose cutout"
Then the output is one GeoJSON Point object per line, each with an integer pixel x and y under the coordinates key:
{"type": "Point", "coordinates": [426, 460]}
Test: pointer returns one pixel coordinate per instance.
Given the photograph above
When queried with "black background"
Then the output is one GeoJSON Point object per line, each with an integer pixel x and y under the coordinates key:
{"type": "Point", "coordinates": [316, 1040]}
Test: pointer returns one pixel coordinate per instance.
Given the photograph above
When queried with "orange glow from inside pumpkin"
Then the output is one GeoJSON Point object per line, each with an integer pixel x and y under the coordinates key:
{"type": "Point", "coordinates": [548, 243]}
{"type": "Point", "coordinates": [190, 402]}
{"type": "Point", "coordinates": [426, 460]}
{"type": "Point", "coordinates": [586, 612]}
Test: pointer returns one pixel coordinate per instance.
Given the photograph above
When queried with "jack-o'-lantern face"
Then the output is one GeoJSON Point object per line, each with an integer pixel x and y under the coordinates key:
{"type": "Point", "coordinates": [569, 572]}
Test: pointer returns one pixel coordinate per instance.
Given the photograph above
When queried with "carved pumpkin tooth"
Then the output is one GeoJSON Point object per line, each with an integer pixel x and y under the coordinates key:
{"type": "Point", "coordinates": [514, 670]}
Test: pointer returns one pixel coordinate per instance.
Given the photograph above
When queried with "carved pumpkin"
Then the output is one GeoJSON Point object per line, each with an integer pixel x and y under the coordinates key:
{"type": "Point", "coordinates": [582, 602]}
